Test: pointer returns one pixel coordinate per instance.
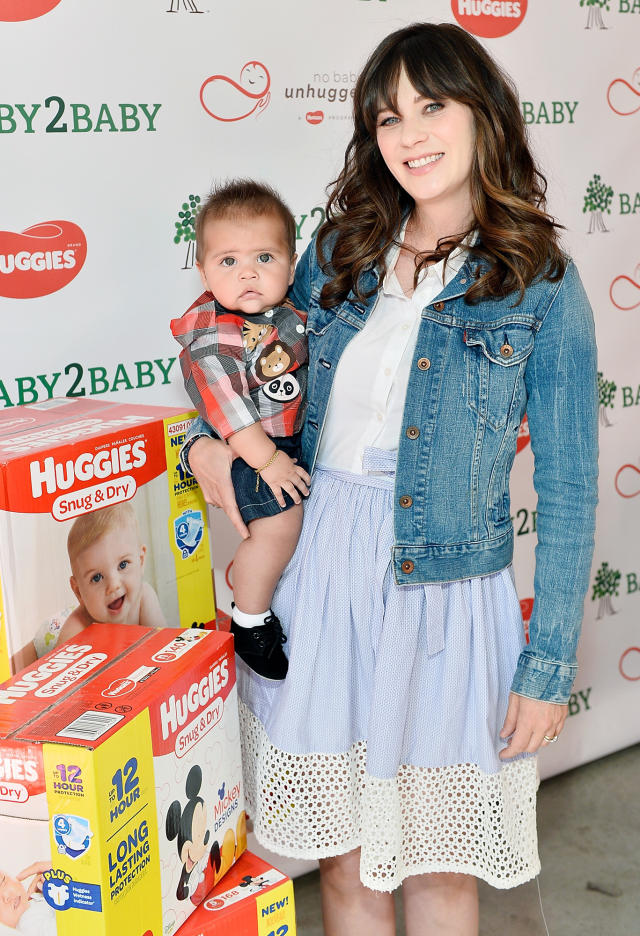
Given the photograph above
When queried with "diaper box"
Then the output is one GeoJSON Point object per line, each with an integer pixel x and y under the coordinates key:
{"type": "Point", "coordinates": [121, 794]}
{"type": "Point", "coordinates": [98, 522]}
{"type": "Point", "coordinates": [253, 899]}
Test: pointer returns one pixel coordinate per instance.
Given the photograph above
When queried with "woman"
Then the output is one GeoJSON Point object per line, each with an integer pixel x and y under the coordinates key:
{"type": "Point", "coordinates": [400, 747]}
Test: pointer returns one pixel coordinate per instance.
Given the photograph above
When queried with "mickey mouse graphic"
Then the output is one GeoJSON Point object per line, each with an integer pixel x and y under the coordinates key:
{"type": "Point", "coordinates": [190, 827]}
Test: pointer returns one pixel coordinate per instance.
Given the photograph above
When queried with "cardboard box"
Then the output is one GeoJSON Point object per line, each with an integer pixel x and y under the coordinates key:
{"type": "Point", "coordinates": [64, 462]}
{"type": "Point", "coordinates": [253, 899]}
{"type": "Point", "coordinates": [120, 780]}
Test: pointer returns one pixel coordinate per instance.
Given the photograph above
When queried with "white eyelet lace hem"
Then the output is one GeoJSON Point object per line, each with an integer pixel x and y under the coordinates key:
{"type": "Point", "coordinates": [454, 819]}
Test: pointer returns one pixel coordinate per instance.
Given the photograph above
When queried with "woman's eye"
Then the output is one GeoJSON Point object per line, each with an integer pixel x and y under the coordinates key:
{"type": "Point", "coordinates": [388, 121]}
{"type": "Point", "coordinates": [434, 107]}
{"type": "Point", "coordinates": [265, 258]}
{"type": "Point", "coordinates": [228, 261]}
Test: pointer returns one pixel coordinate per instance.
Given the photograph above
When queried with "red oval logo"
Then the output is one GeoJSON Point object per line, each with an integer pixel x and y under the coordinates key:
{"type": "Point", "coordinates": [315, 117]}
{"type": "Point", "coordinates": [120, 686]}
{"type": "Point", "coordinates": [523, 435]}
{"type": "Point", "coordinates": [489, 18]}
{"type": "Point", "coordinates": [526, 607]}
{"type": "Point", "coordinates": [40, 260]}
{"type": "Point", "coordinates": [13, 11]}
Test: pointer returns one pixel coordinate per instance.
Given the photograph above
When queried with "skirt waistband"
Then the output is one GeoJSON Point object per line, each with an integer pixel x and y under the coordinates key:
{"type": "Point", "coordinates": [381, 461]}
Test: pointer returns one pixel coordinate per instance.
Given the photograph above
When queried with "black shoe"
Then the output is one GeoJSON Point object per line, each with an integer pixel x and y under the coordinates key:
{"type": "Point", "coordinates": [261, 647]}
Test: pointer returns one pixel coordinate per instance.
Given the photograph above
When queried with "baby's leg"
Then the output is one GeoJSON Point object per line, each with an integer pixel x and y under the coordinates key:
{"type": "Point", "coordinates": [257, 566]}
{"type": "Point", "coordinates": [260, 560]}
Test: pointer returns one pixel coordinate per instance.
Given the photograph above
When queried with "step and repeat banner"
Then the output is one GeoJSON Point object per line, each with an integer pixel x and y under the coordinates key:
{"type": "Point", "coordinates": [115, 118]}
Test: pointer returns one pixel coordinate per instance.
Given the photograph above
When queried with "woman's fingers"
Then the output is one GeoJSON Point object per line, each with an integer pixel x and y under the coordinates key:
{"type": "Point", "coordinates": [529, 724]}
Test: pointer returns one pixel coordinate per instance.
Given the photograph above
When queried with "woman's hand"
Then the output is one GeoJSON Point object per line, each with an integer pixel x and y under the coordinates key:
{"type": "Point", "coordinates": [527, 723]}
{"type": "Point", "coordinates": [210, 462]}
{"type": "Point", "coordinates": [285, 475]}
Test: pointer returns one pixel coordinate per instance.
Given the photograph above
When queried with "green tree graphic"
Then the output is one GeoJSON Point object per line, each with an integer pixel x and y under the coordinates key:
{"type": "Point", "coordinates": [595, 12]}
{"type": "Point", "coordinates": [606, 394]}
{"type": "Point", "coordinates": [597, 200]}
{"type": "Point", "coordinates": [606, 585]}
{"type": "Point", "coordinates": [190, 6]}
{"type": "Point", "coordinates": [186, 228]}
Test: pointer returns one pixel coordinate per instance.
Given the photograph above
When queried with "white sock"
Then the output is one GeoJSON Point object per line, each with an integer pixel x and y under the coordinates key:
{"type": "Point", "coordinates": [242, 619]}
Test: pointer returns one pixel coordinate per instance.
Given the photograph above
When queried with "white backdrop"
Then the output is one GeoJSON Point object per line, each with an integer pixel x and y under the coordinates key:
{"type": "Point", "coordinates": [115, 117]}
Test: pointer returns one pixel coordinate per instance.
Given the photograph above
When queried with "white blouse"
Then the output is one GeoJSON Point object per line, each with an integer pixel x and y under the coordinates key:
{"type": "Point", "coordinates": [367, 398]}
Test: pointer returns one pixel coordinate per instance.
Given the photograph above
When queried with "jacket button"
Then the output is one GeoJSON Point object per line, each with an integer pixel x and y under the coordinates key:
{"type": "Point", "coordinates": [424, 363]}
{"type": "Point", "coordinates": [413, 432]}
{"type": "Point", "coordinates": [407, 566]}
{"type": "Point", "coordinates": [438, 306]}
{"type": "Point", "coordinates": [506, 350]}
{"type": "Point", "coordinates": [406, 500]}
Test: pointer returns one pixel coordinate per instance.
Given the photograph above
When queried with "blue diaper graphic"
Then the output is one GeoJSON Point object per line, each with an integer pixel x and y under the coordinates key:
{"type": "Point", "coordinates": [188, 527]}
{"type": "Point", "coordinates": [72, 834]}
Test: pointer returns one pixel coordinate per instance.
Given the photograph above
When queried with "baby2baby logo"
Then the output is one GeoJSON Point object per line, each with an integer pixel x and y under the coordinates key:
{"type": "Point", "coordinates": [12, 11]}
{"type": "Point", "coordinates": [228, 100]}
{"type": "Point", "coordinates": [489, 18]}
{"type": "Point", "coordinates": [41, 259]}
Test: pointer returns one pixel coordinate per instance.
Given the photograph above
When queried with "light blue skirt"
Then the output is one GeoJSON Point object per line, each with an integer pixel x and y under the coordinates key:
{"type": "Point", "coordinates": [385, 733]}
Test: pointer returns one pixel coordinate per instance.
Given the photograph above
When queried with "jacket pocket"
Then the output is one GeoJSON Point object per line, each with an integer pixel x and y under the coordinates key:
{"type": "Point", "coordinates": [496, 358]}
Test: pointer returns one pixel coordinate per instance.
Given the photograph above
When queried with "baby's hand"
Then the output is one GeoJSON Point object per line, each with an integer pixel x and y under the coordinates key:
{"type": "Point", "coordinates": [285, 475]}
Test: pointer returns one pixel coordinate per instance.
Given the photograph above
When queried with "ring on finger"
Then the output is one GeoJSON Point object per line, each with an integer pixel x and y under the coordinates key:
{"type": "Point", "coordinates": [551, 740]}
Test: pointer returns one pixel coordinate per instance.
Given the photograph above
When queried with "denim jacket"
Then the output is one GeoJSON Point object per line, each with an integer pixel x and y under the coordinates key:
{"type": "Point", "coordinates": [475, 370]}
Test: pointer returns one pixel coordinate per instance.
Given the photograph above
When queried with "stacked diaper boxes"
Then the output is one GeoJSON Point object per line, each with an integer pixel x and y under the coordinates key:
{"type": "Point", "coordinates": [68, 460]}
{"type": "Point", "coordinates": [121, 795]}
{"type": "Point", "coordinates": [253, 899]}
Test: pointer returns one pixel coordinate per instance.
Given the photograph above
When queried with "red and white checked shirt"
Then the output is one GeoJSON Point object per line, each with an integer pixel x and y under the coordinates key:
{"type": "Point", "coordinates": [239, 370]}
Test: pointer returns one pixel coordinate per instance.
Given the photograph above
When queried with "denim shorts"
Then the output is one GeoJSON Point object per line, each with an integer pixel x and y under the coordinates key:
{"type": "Point", "coordinates": [261, 503]}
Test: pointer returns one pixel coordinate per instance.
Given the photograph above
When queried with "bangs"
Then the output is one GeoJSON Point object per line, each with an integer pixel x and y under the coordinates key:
{"type": "Point", "coordinates": [433, 68]}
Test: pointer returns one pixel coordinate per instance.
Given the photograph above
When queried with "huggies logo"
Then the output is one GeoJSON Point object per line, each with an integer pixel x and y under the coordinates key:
{"type": "Point", "coordinates": [13, 11]}
{"type": "Point", "coordinates": [41, 259]}
{"type": "Point", "coordinates": [85, 467]}
{"type": "Point", "coordinates": [489, 18]}
{"type": "Point", "coordinates": [227, 100]}
{"type": "Point", "coordinates": [175, 711]}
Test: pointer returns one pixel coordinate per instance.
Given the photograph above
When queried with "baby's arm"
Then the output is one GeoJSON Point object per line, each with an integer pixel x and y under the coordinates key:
{"type": "Point", "coordinates": [150, 611]}
{"type": "Point", "coordinates": [283, 474]}
{"type": "Point", "coordinates": [75, 624]}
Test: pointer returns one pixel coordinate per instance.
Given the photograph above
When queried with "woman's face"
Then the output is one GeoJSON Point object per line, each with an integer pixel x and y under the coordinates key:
{"type": "Point", "coordinates": [428, 147]}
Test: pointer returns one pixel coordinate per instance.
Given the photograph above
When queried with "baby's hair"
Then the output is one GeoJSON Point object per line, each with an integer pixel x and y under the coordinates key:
{"type": "Point", "coordinates": [90, 527]}
{"type": "Point", "coordinates": [241, 198]}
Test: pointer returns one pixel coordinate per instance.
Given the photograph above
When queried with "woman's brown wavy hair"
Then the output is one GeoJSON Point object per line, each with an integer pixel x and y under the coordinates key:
{"type": "Point", "coordinates": [366, 204]}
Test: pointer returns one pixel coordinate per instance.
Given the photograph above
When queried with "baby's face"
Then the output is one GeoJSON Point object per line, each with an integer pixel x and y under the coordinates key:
{"type": "Point", "coordinates": [13, 900]}
{"type": "Point", "coordinates": [107, 577]}
{"type": "Point", "coordinates": [246, 263]}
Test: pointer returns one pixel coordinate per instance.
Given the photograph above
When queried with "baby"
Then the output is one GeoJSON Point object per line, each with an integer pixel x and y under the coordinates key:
{"type": "Point", "coordinates": [107, 562]}
{"type": "Point", "coordinates": [244, 363]}
{"type": "Point", "coordinates": [25, 910]}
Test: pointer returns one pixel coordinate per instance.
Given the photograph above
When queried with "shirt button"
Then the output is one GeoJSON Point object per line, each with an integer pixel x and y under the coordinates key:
{"type": "Point", "coordinates": [438, 306]}
{"type": "Point", "coordinates": [387, 371]}
{"type": "Point", "coordinates": [506, 350]}
{"type": "Point", "coordinates": [406, 501]}
{"type": "Point", "coordinates": [424, 363]}
{"type": "Point", "coordinates": [405, 327]}
{"type": "Point", "coordinates": [413, 432]}
{"type": "Point", "coordinates": [380, 417]}
{"type": "Point", "coordinates": [463, 280]}
{"type": "Point", "coordinates": [407, 566]}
